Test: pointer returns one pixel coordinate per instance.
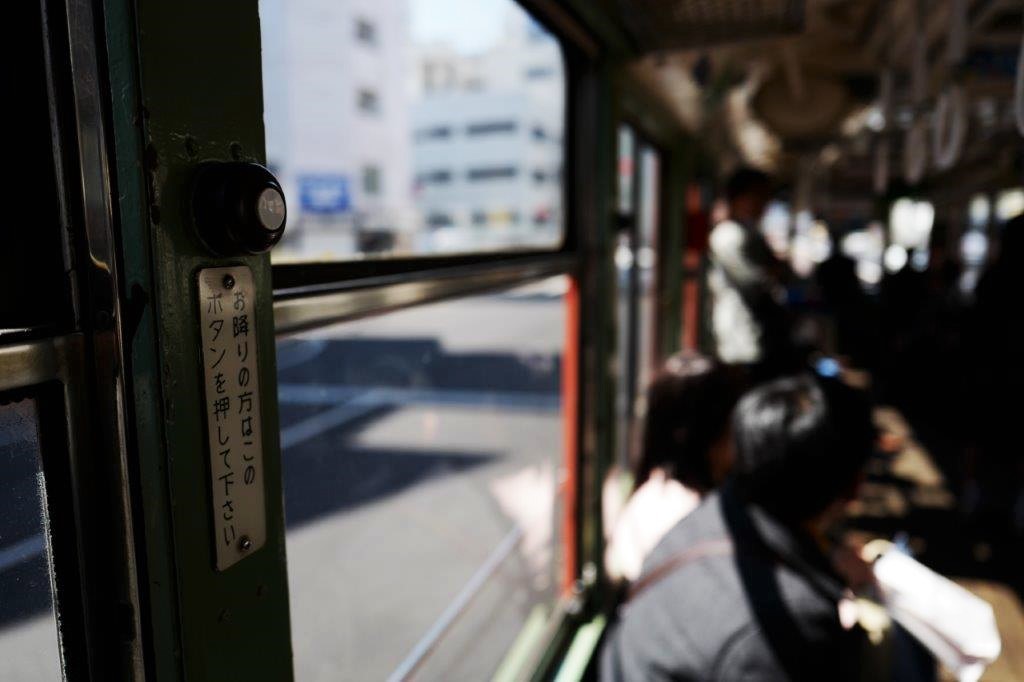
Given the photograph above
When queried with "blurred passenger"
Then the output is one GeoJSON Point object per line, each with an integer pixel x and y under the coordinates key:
{"type": "Point", "coordinates": [686, 452]}
{"type": "Point", "coordinates": [995, 331]}
{"type": "Point", "coordinates": [850, 308]}
{"type": "Point", "coordinates": [743, 588]}
{"type": "Point", "coordinates": [747, 282]}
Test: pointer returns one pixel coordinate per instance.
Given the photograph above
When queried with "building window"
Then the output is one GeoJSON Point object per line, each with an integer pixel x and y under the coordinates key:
{"type": "Point", "coordinates": [538, 133]}
{"type": "Point", "coordinates": [479, 218]}
{"type": "Point", "coordinates": [539, 176]}
{"type": "Point", "coordinates": [366, 32]}
{"type": "Point", "coordinates": [539, 72]}
{"type": "Point", "coordinates": [371, 180]}
{"type": "Point", "coordinates": [435, 177]}
{"type": "Point", "coordinates": [491, 173]}
{"type": "Point", "coordinates": [368, 101]}
{"type": "Point", "coordinates": [439, 220]}
{"type": "Point", "coordinates": [434, 133]}
{"type": "Point", "coordinates": [491, 127]}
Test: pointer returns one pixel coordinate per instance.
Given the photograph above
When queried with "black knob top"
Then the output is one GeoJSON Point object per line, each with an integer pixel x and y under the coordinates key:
{"type": "Point", "coordinates": [239, 208]}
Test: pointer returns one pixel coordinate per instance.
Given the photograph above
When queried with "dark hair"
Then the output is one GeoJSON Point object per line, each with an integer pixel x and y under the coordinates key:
{"type": "Point", "coordinates": [746, 180]}
{"type": "Point", "coordinates": [688, 408]}
{"type": "Point", "coordinates": [800, 444]}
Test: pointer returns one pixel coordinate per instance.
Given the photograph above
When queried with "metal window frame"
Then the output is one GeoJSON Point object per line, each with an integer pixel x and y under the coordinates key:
{"type": "Point", "coordinates": [75, 372]}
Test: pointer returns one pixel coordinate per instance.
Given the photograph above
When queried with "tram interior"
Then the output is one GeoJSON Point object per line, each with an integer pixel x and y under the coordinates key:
{"type": "Point", "coordinates": [898, 222]}
{"type": "Point", "coordinates": [498, 229]}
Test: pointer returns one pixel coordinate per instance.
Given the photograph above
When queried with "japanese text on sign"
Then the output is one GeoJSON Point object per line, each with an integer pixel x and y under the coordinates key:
{"type": "Point", "coordinates": [227, 314]}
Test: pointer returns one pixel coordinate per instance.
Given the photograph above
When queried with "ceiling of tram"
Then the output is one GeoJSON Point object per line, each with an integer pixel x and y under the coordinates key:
{"type": "Point", "coordinates": [920, 91]}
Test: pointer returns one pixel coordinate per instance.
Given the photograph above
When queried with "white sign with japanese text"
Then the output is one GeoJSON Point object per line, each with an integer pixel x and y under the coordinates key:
{"type": "Point", "coordinates": [232, 406]}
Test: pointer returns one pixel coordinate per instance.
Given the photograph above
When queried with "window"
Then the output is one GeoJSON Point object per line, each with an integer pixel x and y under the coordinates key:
{"type": "Point", "coordinates": [422, 461]}
{"type": "Point", "coordinates": [491, 127]}
{"type": "Point", "coordinates": [435, 133]}
{"type": "Point", "coordinates": [368, 101]}
{"type": "Point", "coordinates": [538, 72]}
{"type": "Point", "coordinates": [491, 173]}
{"type": "Point", "coordinates": [366, 32]}
{"type": "Point", "coordinates": [437, 177]}
{"type": "Point", "coordinates": [371, 180]}
{"type": "Point", "coordinates": [439, 220]}
{"type": "Point", "coordinates": [29, 648]}
{"type": "Point", "coordinates": [444, 86]}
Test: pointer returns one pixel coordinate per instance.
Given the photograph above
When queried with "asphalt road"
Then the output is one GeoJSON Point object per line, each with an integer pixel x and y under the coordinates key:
{"type": "Point", "coordinates": [422, 457]}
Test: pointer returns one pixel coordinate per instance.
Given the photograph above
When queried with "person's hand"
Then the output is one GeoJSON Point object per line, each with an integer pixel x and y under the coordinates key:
{"type": "Point", "coordinates": [849, 562]}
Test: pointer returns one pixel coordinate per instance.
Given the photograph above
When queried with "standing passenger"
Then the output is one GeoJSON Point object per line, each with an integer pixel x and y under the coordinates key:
{"type": "Point", "coordinates": [686, 452]}
{"type": "Point", "coordinates": [750, 323]}
{"type": "Point", "coordinates": [742, 588]}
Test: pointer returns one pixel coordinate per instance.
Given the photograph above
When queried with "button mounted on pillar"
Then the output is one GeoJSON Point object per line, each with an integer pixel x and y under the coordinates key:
{"type": "Point", "coordinates": [239, 208]}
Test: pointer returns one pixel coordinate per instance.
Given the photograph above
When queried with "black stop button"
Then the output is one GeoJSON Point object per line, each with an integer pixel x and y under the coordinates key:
{"type": "Point", "coordinates": [239, 208]}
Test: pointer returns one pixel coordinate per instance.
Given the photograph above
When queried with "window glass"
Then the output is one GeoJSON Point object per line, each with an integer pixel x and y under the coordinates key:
{"type": "Point", "coordinates": [28, 630]}
{"type": "Point", "coordinates": [646, 262]}
{"type": "Point", "coordinates": [423, 470]}
{"type": "Point", "coordinates": [456, 106]}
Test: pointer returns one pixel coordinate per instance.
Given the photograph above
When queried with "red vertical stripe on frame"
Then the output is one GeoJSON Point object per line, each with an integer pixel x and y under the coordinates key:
{"type": "Point", "coordinates": [570, 433]}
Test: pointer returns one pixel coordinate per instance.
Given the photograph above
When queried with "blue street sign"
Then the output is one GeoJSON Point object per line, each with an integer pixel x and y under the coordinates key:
{"type": "Point", "coordinates": [324, 194]}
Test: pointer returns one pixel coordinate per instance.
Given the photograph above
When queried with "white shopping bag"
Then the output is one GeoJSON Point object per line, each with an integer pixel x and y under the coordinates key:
{"type": "Point", "coordinates": [956, 626]}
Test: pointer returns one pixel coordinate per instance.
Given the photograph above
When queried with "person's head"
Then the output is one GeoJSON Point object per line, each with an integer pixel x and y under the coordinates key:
{"type": "Point", "coordinates": [800, 446]}
{"type": "Point", "coordinates": [748, 192]}
{"type": "Point", "coordinates": [686, 428]}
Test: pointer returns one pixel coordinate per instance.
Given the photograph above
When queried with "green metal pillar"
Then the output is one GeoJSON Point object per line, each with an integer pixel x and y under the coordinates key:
{"type": "Point", "coordinates": [186, 87]}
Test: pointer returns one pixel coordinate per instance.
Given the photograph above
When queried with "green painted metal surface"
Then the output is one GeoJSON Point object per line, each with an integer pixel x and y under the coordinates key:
{"type": "Point", "coordinates": [158, 583]}
{"type": "Point", "coordinates": [187, 88]}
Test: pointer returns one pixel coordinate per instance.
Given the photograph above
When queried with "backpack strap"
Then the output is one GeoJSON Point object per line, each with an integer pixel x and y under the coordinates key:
{"type": "Point", "coordinates": [708, 548]}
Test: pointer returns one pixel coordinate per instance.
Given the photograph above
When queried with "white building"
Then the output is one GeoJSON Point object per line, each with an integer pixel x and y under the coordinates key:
{"type": "Point", "coordinates": [335, 93]}
{"type": "Point", "coordinates": [488, 134]}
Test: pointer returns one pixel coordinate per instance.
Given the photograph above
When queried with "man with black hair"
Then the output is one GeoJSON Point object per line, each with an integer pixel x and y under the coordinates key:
{"type": "Point", "coordinates": [746, 281]}
{"type": "Point", "coordinates": [743, 588]}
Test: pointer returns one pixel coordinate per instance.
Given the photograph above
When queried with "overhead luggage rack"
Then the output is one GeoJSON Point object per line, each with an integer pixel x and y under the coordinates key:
{"type": "Point", "coordinates": [674, 24]}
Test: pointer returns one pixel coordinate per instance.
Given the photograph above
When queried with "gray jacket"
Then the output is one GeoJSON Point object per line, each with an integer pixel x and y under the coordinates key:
{"type": "Point", "coordinates": [764, 610]}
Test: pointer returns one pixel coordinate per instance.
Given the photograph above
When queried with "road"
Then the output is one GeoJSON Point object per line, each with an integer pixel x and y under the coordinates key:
{"type": "Point", "coordinates": [421, 454]}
